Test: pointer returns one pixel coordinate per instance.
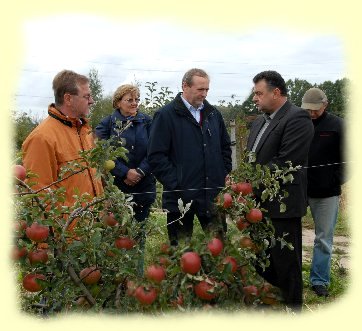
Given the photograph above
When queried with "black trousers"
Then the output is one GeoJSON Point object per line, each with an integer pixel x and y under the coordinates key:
{"type": "Point", "coordinates": [285, 270]}
{"type": "Point", "coordinates": [141, 212]}
{"type": "Point", "coordinates": [215, 222]}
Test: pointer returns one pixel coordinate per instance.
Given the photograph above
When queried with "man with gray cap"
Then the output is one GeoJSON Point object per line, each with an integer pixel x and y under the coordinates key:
{"type": "Point", "coordinates": [325, 177]}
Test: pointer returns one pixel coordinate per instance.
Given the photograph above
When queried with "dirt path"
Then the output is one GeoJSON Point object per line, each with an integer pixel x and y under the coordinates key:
{"type": "Point", "coordinates": [340, 247]}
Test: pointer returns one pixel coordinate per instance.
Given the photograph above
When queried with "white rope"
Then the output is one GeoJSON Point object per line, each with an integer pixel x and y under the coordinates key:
{"type": "Point", "coordinates": [324, 165]}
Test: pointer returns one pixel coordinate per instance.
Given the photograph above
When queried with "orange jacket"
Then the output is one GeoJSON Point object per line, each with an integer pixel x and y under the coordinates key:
{"type": "Point", "coordinates": [54, 142]}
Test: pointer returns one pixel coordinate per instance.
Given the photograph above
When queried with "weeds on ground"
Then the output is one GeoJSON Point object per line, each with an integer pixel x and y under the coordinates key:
{"type": "Point", "coordinates": [338, 286]}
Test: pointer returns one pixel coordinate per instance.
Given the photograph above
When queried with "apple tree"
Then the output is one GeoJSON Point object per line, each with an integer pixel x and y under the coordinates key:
{"type": "Point", "coordinates": [85, 256]}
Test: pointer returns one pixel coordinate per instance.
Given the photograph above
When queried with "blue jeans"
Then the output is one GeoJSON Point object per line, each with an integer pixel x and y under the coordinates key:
{"type": "Point", "coordinates": [324, 212]}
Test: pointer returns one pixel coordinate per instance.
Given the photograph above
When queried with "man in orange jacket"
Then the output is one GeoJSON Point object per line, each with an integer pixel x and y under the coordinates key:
{"type": "Point", "coordinates": [61, 136]}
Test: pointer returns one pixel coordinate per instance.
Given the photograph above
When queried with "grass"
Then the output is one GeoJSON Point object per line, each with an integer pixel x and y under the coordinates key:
{"type": "Point", "coordinates": [337, 288]}
{"type": "Point", "coordinates": [153, 242]}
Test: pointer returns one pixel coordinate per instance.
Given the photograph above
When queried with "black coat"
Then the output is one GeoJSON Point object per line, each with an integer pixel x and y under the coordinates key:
{"type": "Point", "coordinates": [136, 140]}
{"type": "Point", "coordinates": [186, 156]}
{"type": "Point", "coordinates": [326, 170]}
{"type": "Point", "coordinates": [287, 138]}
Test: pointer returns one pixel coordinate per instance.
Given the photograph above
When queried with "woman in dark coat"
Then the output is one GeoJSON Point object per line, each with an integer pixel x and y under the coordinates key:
{"type": "Point", "coordinates": [132, 176]}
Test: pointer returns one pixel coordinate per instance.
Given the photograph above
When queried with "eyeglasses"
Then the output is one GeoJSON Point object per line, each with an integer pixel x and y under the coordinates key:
{"type": "Point", "coordinates": [137, 100]}
{"type": "Point", "coordinates": [87, 96]}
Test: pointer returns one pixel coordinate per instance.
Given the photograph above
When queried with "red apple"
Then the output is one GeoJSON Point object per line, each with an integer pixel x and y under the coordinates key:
{"type": "Point", "coordinates": [38, 256]}
{"type": "Point", "coordinates": [242, 224]}
{"type": "Point", "coordinates": [109, 219]}
{"type": "Point", "coordinates": [254, 215]}
{"type": "Point", "coordinates": [155, 273]}
{"type": "Point", "coordinates": [190, 262]}
{"type": "Point", "coordinates": [90, 275]}
{"type": "Point", "coordinates": [19, 172]}
{"type": "Point", "coordinates": [228, 200]}
{"type": "Point", "coordinates": [19, 252]}
{"type": "Point", "coordinates": [124, 242]}
{"type": "Point", "coordinates": [232, 261]}
{"type": "Point", "coordinates": [245, 188]}
{"type": "Point", "coordinates": [37, 232]}
{"type": "Point", "coordinates": [31, 284]}
{"type": "Point", "coordinates": [204, 290]}
{"type": "Point", "coordinates": [215, 246]}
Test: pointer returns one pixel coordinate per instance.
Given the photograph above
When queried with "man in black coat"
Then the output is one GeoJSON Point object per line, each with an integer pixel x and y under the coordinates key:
{"type": "Point", "coordinates": [189, 153]}
{"type": "Point", "coordinates": [283, 133]}
{"type": "Point", "coordinates": [325, 177]}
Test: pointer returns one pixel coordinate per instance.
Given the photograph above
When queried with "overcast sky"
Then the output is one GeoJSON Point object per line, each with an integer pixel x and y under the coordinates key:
{"type": "Point", "coordinates": [161, 51]}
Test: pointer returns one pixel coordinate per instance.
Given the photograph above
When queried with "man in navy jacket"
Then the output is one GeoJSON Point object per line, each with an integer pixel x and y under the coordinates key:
{"type": "Point", "coordinates": [325, 177]}
{"type": "Point", "coordinates": [189, 153]}
{"type": "Point", "coordinates": [283, 133]}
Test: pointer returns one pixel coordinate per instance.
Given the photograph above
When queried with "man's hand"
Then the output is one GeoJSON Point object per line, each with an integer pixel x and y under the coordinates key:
{"type": "Point", "coordinates": [133, 177]}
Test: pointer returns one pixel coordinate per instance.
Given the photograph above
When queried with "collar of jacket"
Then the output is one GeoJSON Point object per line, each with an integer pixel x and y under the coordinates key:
{"type": "Point", "coordinates": [68, 121]}
{"type": "Point", "coordinates": [320, 118]}
{"type": "Point", "coordinates": [281, 112]}
{"type": "Point", "coordinates": [182, 110]}
{"type": "Point", "coordinates": [140, 117]}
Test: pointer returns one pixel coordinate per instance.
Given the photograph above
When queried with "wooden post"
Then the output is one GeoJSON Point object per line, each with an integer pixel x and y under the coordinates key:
{"type": "Point", "coordinates": [233, 144]}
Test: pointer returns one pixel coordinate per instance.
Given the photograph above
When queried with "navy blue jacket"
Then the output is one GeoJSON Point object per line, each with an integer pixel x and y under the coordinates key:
{"type": "Point", "coordinates": [189, 157]}
{"type": "Point", "coordinates": [136, 139]}
{"type": "Point", "coordinates": [327, 148]}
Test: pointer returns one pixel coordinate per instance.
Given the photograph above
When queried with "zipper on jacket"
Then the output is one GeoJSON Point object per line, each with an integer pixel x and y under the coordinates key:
{"type": "Point", "coordinates": [88, 168]}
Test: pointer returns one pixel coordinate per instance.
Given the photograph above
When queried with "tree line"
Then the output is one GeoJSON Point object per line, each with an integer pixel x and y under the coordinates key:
{"type": "Point", "coordinates": [156, 96]}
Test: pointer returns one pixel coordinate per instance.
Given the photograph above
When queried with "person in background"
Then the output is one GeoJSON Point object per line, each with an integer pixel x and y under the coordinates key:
{"type": "Point", "coordinates": [60, 137]}
{"type": "Point", "coordinates": [325, 177]}
{"type": "Point", "coordinates": [189, 153]}
{"type": "Point", "coordinates": [132, 176]}
{"type": "Point", "coordinates": [282, 133]}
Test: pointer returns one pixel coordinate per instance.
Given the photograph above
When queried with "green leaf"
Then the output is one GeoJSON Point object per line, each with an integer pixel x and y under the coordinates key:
{"type": "Point", "coordinates": [75, 244]}
{"type": "Point", "coordinates": [83, 257]}
{"type": "Point", "coordinates": [283, 207]}
{"type": "Point", "coordinates": [96, 237]}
